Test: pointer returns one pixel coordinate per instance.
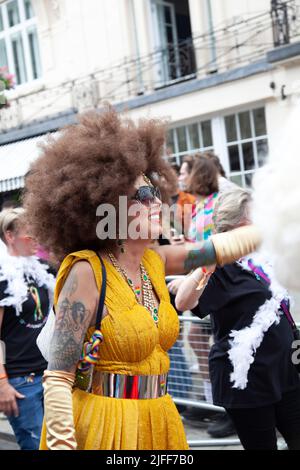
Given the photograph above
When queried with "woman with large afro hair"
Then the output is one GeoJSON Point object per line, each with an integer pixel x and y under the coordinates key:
{"type": "Point", "coordinates": [108, 389]}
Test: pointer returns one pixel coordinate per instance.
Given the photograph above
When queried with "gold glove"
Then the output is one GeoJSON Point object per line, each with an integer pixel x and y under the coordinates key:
{"type": "Point", "coordinates": [230, 246]}
{"type": "Point", "coordinates": [59, 410]}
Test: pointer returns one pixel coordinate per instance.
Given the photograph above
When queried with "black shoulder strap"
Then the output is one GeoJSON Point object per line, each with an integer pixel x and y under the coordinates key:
{"type": "Point", "coordinates": [102, 296]}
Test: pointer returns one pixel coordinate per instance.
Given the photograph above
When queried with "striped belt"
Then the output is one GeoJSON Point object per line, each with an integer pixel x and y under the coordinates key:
{"type": "Point", "coordinates": [128, 386]}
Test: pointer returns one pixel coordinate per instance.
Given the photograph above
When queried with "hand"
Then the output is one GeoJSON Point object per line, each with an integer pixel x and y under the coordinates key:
{"type": "Point", "coordinates": [173, 286]}
{"type": "Point", "coordinates": [201, 276]}
{"type": "Point", "coordinates": [8, 399]}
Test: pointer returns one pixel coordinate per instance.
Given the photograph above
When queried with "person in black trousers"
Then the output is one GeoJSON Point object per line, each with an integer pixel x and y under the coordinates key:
{"type": "Point", "coordinates": [251, 369]}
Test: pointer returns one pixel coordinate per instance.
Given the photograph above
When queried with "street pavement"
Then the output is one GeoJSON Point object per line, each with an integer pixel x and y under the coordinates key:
{"type": "Point", "coordinates": [194, 432]}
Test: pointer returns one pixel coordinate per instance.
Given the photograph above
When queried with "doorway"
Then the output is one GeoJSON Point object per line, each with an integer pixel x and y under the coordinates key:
{"type": "Point", "coordinates": [175, 58]}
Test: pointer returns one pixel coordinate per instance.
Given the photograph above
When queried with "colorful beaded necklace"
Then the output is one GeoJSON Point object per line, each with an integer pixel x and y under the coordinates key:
{"type": "Point", "coordinates": [144, 294]}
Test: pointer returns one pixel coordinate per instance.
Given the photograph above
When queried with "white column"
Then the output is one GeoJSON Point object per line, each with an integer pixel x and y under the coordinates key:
{"type": "Point", "coordinates": [199, 26]}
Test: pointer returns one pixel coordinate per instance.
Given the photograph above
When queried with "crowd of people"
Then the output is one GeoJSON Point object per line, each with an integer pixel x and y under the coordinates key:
{"type": "Point", "coordinates": [102, 313]}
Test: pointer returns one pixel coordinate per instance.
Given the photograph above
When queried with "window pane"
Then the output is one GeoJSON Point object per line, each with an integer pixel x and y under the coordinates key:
{"type": "Point", "coordinates": [234, 159]}
{"type": "Point", "coordinates": [262, 151]}
{"type": "Point", "coordinates": [1, 20]}
{"type": "Point", "coordinates": [245, 127]}
{"type": "Point", "coordinates": [3, 55]}
{"type": "Point", "coordinates": [248, 155]}
{"type": "Point", "coordinates": [169, 34]}
{"type": "Point", "coordinates": [170, 141]}
{"type": "Point", "coordinates": [259, 122]}
{"type": "Point", "coordinates": [206, 134]}
{"type": "Point", "coordinates": [167, 12]}
{"type": "Point", "coordinates": [248, 179]}
{"type": "Point", "coordinates": [194, 136]}
{"type": "Point", "coordinates": [182, 145]}
{"type": "Point", "coordinates": [230, 128]}
{"type": "Point", "coordinates": [13, 13]}
{"type": "Point", "coordinates": [237, 179]}
{"type": "Point", "coordinates": [28, 9]}
{"type": "Point", "coordinates": [18, 55]}
{"type": "Point", "coordinates": [34, 53]}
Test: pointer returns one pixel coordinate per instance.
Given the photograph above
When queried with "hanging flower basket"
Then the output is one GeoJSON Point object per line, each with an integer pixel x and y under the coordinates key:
{"type": "Point", "coordinates": [6, 83]}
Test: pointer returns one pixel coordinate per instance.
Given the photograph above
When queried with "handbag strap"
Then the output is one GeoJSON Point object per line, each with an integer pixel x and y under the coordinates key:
{"type": "Point", "coordinates": [102, 295]}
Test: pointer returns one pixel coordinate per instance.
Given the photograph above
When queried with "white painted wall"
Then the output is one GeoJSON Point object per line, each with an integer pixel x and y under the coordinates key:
{"type": "Point", "coordinates": [79, 38]}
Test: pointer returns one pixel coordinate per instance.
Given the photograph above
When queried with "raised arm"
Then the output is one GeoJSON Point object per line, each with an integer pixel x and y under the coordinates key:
{"type": "Point", "coordinates": [220, 249]}
{"type": "Point", "coordinates": [75, 312]}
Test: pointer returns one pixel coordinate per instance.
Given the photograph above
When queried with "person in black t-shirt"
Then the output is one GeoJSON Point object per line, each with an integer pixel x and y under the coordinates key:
{"type": "Point", "coordinates": [250, 363]}
{"type": "Point", "coordinates": [26, 289]}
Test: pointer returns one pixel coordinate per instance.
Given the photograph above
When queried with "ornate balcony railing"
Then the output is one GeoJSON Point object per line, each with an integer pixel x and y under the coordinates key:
{"type": "Point", "coordinates": [233, 44]}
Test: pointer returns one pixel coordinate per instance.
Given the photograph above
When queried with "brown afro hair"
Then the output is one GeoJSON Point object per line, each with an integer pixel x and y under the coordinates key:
{"type": "Point", "coordinates": [89, 163]}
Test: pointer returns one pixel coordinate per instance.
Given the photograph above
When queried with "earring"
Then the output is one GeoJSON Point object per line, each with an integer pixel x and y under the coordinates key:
{"type": "Point", "coordinates": [121, 246]}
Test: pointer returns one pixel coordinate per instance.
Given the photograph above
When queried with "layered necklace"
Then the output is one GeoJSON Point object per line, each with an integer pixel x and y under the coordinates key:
{"type": "Point", "coordinates": [144, 293]}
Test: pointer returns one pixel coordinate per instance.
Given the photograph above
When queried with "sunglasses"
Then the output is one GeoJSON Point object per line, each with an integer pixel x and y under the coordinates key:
{"type": "Point", "coordinates": [147, 194]}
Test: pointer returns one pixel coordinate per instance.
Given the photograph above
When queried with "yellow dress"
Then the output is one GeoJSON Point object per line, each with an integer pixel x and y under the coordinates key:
{"type": "Point", "coordinates": [133, 345]}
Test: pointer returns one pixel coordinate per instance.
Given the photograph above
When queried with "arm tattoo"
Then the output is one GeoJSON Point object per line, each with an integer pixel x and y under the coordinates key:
{"type": "Point", "coordinates": [70, 329]}
{"type": "Point", "coordinates": [203, 256]}
{"type": "Point", "coordinates": [70, 285]}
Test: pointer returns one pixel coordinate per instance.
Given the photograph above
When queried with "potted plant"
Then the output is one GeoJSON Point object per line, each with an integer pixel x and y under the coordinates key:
{"type": "Point", "coordinates": [6, 83]}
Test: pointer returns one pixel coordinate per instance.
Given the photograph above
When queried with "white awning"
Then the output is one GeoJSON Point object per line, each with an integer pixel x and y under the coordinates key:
{"type": "Point", "coordinates": [15, 160]}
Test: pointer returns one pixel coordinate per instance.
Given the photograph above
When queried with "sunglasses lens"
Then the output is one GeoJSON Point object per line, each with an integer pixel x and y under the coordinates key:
{"type": "Point", "coordinates": [147, 194]}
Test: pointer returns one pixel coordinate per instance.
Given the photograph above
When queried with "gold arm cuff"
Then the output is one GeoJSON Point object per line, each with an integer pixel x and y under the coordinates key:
{"type": "Point", "coordinates": [231, 246]}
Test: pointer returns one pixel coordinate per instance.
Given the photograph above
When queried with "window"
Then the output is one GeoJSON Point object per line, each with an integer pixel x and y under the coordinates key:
{"type": "Point", "coordinates": [13, 13]}
{"type": "Point", "coordinates": [1, 21]}
{"type": "Point", "coordinates": [28, 9]}
{"type": "Point", "coordinates": [247, 144]}
{"type": "Point", "coordinates": [189, 139]}
{"type": "Point", "coordinates": [175, 57]}
{"type": "Point", "coordinates": [3, 56]}
{"type": "Point", "coordinates": [19, 48]}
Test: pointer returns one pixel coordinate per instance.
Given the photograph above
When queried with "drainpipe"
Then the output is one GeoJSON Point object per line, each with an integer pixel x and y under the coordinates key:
{"type": "Point", "coordinates": [213, 67]}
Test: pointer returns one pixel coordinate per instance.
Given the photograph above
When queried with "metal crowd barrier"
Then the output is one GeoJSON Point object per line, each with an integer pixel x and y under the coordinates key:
{"type": "Point", "coordinates": [189, 377]}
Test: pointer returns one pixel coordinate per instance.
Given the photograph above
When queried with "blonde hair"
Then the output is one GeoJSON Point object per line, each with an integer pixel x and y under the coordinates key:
{"type": "Point", "coordinates": [232, 208]}
{"type": "Point", "coordinates": [10, 219]}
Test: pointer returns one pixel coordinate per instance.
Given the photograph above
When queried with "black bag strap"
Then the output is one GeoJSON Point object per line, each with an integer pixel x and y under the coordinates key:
{"type": "Point", "coordinates": [102, 296]}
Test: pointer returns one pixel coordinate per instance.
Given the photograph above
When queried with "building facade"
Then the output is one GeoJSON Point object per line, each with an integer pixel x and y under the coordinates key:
{"type": "Point", "coordinates": [224, 73]}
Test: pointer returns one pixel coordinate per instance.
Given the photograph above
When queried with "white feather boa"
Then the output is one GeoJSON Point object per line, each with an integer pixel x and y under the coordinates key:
{"type": "Point", "coordinates": [276, 208]}
{"type": "Point", "coordinates": [245, 342]}
{"type": "Point", "coordinates": [16, 270]}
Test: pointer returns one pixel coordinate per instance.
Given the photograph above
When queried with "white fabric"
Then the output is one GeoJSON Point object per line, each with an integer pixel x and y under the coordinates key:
{"type": "Point", "coordinates": [276, 208]}
{"type": "Point", "coordinates": [44, 339]}
{"type": "Point", "coordinates": [16, 270]}
{"type": "Point", "coordinates": [245, 342]}
{"type": "Point", "coordinates": [3, 248]}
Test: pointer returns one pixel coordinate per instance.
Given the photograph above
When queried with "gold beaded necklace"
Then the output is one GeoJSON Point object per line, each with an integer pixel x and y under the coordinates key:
{"type": "Point", "coordinates": [147, 296]}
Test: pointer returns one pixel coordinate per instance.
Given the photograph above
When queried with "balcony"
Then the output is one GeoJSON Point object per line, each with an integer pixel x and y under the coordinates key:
{"type": "Point", "coordinates": [238, 43]}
